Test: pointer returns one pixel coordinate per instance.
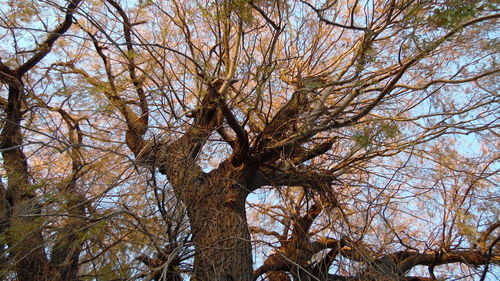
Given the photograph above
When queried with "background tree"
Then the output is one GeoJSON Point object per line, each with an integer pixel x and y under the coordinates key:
{"type": "Point", "coordinates": [330, 140]}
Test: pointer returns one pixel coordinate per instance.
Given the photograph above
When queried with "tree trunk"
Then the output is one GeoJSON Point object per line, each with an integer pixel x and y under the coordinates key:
{"type": "Point", "coordinates": [222, 239]}
{"type": "Point", "coordinates": [23, 235]}
{"type": "Point", "coordinates": [215, 201]}
{"type": "Point", "coordinates": [216, 210]}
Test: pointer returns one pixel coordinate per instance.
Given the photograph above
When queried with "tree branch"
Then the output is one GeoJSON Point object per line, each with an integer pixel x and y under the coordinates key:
{"type": "Point", "coordinates": [46, 46]}
{"type": "Point", "coordinates": [470, 257]}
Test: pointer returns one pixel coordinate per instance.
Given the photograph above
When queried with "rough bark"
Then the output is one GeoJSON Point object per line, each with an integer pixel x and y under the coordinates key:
{"type": "Point", "coordinates": [20, 221]}
{"type": "Point", "coordinates": [216, 211]}
{"type": "Point", "coordinates": [220, 232]}
{"type": "Point", "coordinates": [23, 236]}
{"type": "Point", "coordinates": [215, 201]}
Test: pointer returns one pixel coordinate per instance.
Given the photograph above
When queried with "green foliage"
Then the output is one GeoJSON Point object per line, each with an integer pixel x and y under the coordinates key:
{"type": "Point", "coordinates": [95, 232]}
{"type": "Point", "coordinates": [21, 229]}
{"type": "Point", "coordinates": [362, 139]}
{"type": "Point", "coordinates": [456, 12]}
{"type": "Point", "coordinates": [375, 132]}
{"type": "Point", "coordinates": [243, 10]}
{"type": "Point", "coordinates": [145, 3]}
{"type": "Point", "coordinates": [466, 225]}
{"type": "Point", "coordinates": [448, 14]}
{"type": "Point", "coordinates": [417, 13]}
{"type": "Point", "coordinates": [452, 16]}
{"type": "Point", "coordinates": [390, 130]}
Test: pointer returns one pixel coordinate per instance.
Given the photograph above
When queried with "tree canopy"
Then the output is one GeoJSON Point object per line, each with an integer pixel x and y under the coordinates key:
{"type": "Point", "coordinates": [249, 140]}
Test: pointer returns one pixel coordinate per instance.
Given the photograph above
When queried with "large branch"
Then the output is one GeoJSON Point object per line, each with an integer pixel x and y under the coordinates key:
{"type": "Point", "coordinates": [289, 174]}
{"type": "Point", "coordinates": [320, 149]}
{"type": "Point", "coordinates": [241, 149]}
{"type": "Point", "coordinates": [177, 159]}
{"type": "Point", "coordinates": [127, 31]}
{"type": "Point", "coordinates": [46, 46]}
{"type": "Point", "coordinates": [481, 242]}
{"type": "Point", "coordinates": [27, 252]}
{"type": "Point", "coordinates": [296, 250]}
{"type": "Point", "coordinates": [283, 120]}
{"type": "Point", "coordinates": [9, 77]}
{"type": "Point", "coordinates": [469, 257]}
{"type": "Point", "coordinates": [302, 225]}
{"type": "Point", "coordinates": [66, 251]}
{"type": "Point", "coordinates": [136, 126]}
{"type": "Point", "coordinates": [285, 142]}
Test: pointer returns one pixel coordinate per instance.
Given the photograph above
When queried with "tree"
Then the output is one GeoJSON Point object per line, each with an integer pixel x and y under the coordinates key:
{"type": "Point", "coordinates": [330, 137]}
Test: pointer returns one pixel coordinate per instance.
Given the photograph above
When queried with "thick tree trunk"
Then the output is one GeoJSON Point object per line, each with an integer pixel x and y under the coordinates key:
{"type": "Point", "coordinates": [215, 201]}
{"type": "Point", "coordinates": [216, 210]}
{"type": "Point", "coordinates": [19, 209]}
{"type": "Point", "coordinates": [24, 236]}
{"type": "Point", "coordinates": [222, 239]}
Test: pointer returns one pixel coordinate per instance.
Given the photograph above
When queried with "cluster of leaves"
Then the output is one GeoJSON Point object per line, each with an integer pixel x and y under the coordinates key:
{"type": "Point", "coordinates": [376, 133]}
